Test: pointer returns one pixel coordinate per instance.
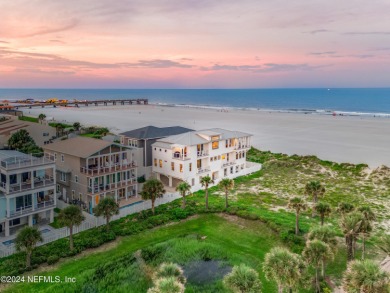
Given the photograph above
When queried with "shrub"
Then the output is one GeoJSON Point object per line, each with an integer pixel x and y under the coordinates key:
{"type": "Point", "coordinates": [52, 259]}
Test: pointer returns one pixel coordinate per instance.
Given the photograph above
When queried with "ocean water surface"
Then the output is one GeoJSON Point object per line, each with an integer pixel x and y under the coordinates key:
{"type": "Point", "coordinates": [349, 101]}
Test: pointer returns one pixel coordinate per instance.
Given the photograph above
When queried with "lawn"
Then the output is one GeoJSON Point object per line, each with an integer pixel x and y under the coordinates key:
{"type": "Point", "coordinates": [229, 239]}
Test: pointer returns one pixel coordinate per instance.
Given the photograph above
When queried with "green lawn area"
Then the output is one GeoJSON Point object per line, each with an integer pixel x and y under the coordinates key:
{"type": "Point", "coordinates": [232, 241]}
{"type": "Point", "coordinates": [28, 118]}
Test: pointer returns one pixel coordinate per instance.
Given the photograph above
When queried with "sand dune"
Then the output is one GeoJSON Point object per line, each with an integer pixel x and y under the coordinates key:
{"type": "Point", "coordinates": [341, 138]}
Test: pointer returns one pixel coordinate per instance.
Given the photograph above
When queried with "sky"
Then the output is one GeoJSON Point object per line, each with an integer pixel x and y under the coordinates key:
{"type": "Point", "coordinates": [194, 43]}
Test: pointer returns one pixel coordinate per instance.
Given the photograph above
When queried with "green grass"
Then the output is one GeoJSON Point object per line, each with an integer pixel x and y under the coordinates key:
{"type": "Point", "coordinates": [246, 241]}
{"type": "Point", "coordinates": [28, 118]}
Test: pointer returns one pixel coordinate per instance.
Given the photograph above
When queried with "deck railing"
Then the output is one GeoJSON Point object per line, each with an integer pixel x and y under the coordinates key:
{"type": "Point", "coordinates": [92, 171]}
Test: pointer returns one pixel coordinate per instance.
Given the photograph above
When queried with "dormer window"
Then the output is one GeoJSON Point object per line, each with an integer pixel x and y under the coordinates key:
{"type": "Point", "coordinates": [215, 137]}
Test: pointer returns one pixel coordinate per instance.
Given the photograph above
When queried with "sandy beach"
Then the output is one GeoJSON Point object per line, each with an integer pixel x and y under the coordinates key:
{"type": "Point", "coordinates": [340, 138]}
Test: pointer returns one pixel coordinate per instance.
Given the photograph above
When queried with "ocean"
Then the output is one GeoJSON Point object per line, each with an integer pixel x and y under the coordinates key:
{"type": "Point", "coordinates": [343, 101]}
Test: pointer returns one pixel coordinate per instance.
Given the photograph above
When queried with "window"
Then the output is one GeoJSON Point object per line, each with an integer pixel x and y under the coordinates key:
{"type": "Point", "coordinates": [80, 196]}
{"type": "Point", "coordinates": [155, 149]}
{"type": "Point", "coordinates": [173, 166]}
{"type": "Point", "coordinates": [160, 162]}
{"type": "Point", "coordinates": [211, 159]}
{"type": "Point", "coordinates": [76, 178]}
{"type": "Point", "coordinates": [190, 168]}
{"type": "Point", "coordinates": [215, 158]}
{"type": "Point", "coordinates": [216, 137]}
{"type": "Point", "coordinates": [215, 145]}
{"type": "Point", "coordinates": [236, 156]}
{"type": "Point", "coordinates": [55, 156]}
{"type": "Point", "coordinates": [219, 157]}
{"type": "Point", "coordinates": [58, 188]}
{"type": "Point", "coordinates": [193, 181]}
{"type": "Point", "coordinates": [62, 176]}
{"type": "Point", "coordinates": [227, 143]}
{"type": "Point", "coordinates": [72, 194]}
{"type": "Point", "coordinates": [62, 158]}
{"type": "Point", "coordinates": [223, 157]}
{"type": "Point", "coordinates": [181, 168]}
{"type": "Point", "coordinates": [155, 162]}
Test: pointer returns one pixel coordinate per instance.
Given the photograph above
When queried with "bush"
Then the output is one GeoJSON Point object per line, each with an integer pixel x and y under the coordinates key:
{"type": "Point", "coordinates": [52, 259]}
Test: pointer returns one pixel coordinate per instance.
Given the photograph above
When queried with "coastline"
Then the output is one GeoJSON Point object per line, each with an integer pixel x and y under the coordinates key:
{"type": "Point", "coordinates": [352, 139]}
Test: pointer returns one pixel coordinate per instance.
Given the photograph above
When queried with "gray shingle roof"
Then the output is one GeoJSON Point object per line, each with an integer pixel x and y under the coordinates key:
{"type": "Point", "coordinates": [150, 132]}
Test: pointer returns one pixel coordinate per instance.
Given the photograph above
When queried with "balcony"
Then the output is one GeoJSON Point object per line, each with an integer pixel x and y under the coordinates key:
{"type": "Point", "coordinates": [28, 209]}
{"type": "Point", "coordinates": [179, 156]}
{"type": "Point", "coordinates": [27, 185]}
{"type": "Point", "coordinates": [26, 161]}
{"type": "Point", "coordinates": [203, 170]}
{"type": "Point", "coordinates": [228, 164]}
{"type": "Point", "coordinates": [201, 154]}
{"type": "Point", "coordinates": [242, 147]}
{"type": "Point", "coordinates": [112, 186]}
{"type": "Point", "coordinates": [95, 170]}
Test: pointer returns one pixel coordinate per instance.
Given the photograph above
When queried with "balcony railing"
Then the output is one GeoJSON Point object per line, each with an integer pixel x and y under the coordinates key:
{"type": "Point", "coordinates": [94, 170]}
{"type": "Point", "coordinates": [26, 185]}
{"type": "Point", "coordinates": [202, 170]}
{"type": "Point", "coordinates": [111, 186]}
{"type": "Point", "coordinates": [228, 164]}
{"type": "Point", "coordinates": [242, 147]}
{"type": "Point", "coordinates": [179, 156]}
{"type": "Point", "coordinates": [26, 161]}
{"type": "Point", "coordinates": [202, 154]}
{"type": "Point", "coordinates": [29, 209]}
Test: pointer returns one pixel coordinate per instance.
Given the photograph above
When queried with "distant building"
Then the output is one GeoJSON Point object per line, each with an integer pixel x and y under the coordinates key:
{"type": "Point", "coordinates": [27, 190]}
{"type": "Point", "coordinates": [90, 169]}
{"type": "Point", "coordinates": [141, 141]}
{"type": "Point", "coordinates": [41, 133]}
{"type": "Point", "coordinates": [190, 156]}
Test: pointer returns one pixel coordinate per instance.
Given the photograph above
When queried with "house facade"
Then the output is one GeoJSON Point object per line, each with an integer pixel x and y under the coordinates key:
{"type": "Point", "coordinates": [27, 190]}
{"type": "Point", "coordinates": [216, 152]}
{"type": "Point", "coordinates": [89, 170]}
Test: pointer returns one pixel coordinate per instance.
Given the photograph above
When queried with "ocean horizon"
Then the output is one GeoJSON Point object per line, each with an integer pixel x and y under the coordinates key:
{"type": "Point", "coordinates": [347, 101]}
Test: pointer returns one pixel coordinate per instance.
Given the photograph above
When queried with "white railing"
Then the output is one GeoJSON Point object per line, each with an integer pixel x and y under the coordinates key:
{"type": "Point", "coordinates": [91, 222]}
{"type": "Point", "coordinates": [107, 169]}
{"type": "Point", "coordinates": [202, 154]}
{"type": "Point", "coordinates": [22, 186]}
{"type": "Point", "coordinates": [26, 161]}
{"type": "Point", "coordinates": [202, 170]}
{"type": "Point", "coordinates": [28, 209]}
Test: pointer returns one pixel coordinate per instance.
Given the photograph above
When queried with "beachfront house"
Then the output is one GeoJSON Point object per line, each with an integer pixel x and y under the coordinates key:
{"type": "Point", "coordinates": [141, 140]}
{"type": "Point", "coordinates": [90, 169]}
{"type": "Point", "coordinates": [216, 152]}
{"type": "Point", "coordinates": [27, 190]}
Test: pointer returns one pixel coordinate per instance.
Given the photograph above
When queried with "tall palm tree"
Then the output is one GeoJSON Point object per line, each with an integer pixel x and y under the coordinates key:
{"type": "Point", "coordinates": [206, 181]}
{"type": "Point", "coordinates": [226, 185]}
{"type": "Point", "coordinates": [107, 207]}
{"type": "Point", "coordinates": [351, 225]}
{"type": "Point", "coordinates": [41, 117]}
{"type": "Point", "coordinates": [323, 209]}
{"type": "Point", "coordinates": [345, 208]}
{"type": "Point", "coordinates": [366, 276]}
{"type": "Point", "coordinates": [183, 188]}
{"type": "Point", "coordinates": [71, 216]}
{"type": "Point", "coordinates": [384, 243]}
{"type": "Point", "coordinates": [243, 279]}
{"type": "Point", "coordinates": [26, 240]}
{"type": "Point", "coordinates": [315, 253]}
{"type": "Point", "coordinates": [152, 189]}
{"type": "Point", "coordinates": [314, 189]}
{"type": "Point", "coordinates": [283, 267]}
{"type": "Point", "coordinates": [297, 204]}
{"type": "Point", "coordinates": [369, 217]}
{"type": "Point", "coordinates": [327, 235]}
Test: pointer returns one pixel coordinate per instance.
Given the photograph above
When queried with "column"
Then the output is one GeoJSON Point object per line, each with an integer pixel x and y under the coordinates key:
{"type": "Point", "coordinates": [32, 179]}
{"type": "Point", "coordinates": [116, 195]}
{"type": "Point", "coordinates": [30, 220]}
{"type": "Point", "coordinates": [6, 228]}
{"type": "Point", "coordinates": [51, 216]}
{"type": "Point", "coordinates": [170, 181]}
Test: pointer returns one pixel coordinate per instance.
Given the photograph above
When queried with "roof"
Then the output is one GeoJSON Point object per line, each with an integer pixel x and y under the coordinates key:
{"type": "Point", "coordinates": [150, 132]}
{"type": "Point", "coordinates": [78, 146]}
{"type": "Point", "coordinates": [196, 137]}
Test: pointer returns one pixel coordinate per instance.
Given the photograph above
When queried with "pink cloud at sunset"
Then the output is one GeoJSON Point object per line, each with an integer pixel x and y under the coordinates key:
{"type": "Point", "coordinates": [194, 44]}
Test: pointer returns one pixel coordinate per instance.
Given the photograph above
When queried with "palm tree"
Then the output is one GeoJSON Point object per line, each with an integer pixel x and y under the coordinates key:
{"type": "Point", "coordinates": [183, 188]}
{"type": "Point", "coordinates": [314, 189]}
{"type": "Point", "coordinates": [107, 207]}
{"type": "Point", "coordinates": [298, 204]}
{"type": "Point", "coordinates": [284, 267]}
{"type": "Point", "coordinates": [316, 253]}
{"type": "Point", "coordinates": [369, 216]}
{"type": "Point", "coordinates": [60, 129]}
{"type": "Point", "coordinates": [76, 126]}
{"type": "Point", "coordinates": [152, 189]}
{"type": "Point", "coordinates": [243, 279]}
{"type": "Point", "coordinates": [351, 227]}
{"type": "Point", "coordinates": [327, 235]}
{"type": "Point", "coordinates": [27, 239]}
{"type": "Point", "coordinates": [226, 185]}
{"type": "Point", "coordinates": [71, 216]}
{"type": "Point", "coordinates": [366, 276]}
{"type": "Point", "coordinates": [345, 208]}
{"type": "Point", "coordinates": [41, 117]}
{"type": "Point", "coordinates": [384, 243]}
{"type": "Point", "coordinates": [206, 181]}
{"type": "Point", "coordinates": [323, 209]}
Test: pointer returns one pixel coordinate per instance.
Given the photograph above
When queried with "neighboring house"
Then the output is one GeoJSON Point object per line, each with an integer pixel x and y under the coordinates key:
{"type": "Point", "coordinates": [141, 141]}
{"type": "Point", "coordinates": [90, 169]}
{"type": "Point", "coordinates": [41, 133]}
{"type": "Point", "coordinates": [27, 190]}
{"type": "Point", "coordinates": [190, 156]}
